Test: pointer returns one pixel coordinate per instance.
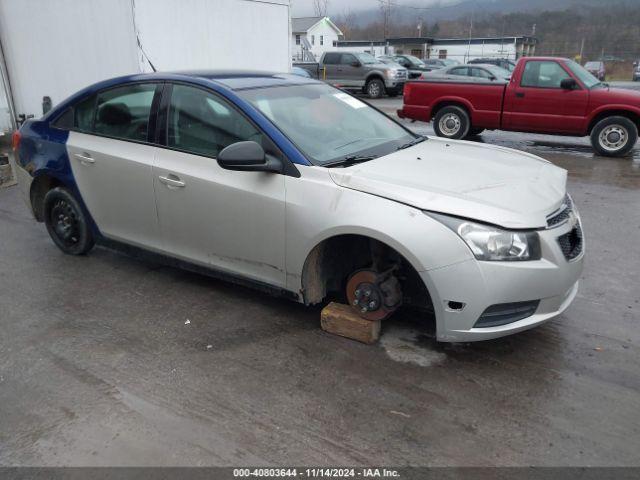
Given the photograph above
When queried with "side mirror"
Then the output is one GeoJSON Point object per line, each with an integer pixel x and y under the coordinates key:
{"type": "Point", "coordinates": [355, 63]}
{"type": "Point", "coordinates": [568, 84]}
{"type": "Point", "coordinates": [248, 157]}
{"type": "Point", "coordinates": [492, 78]}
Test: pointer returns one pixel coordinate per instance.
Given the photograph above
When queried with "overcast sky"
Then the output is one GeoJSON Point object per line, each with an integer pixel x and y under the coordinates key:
{"type": "Point", "coordinates": [336, 7]}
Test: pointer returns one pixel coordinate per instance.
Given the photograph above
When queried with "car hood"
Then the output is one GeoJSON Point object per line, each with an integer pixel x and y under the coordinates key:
{"type": "Point", "coordinates": [491, 184]}
{"type": "Point", "coordinates": [607, 95]}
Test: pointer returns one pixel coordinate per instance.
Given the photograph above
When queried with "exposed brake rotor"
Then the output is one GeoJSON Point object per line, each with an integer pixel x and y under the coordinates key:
{"type": "Point", "coordinates": [375, 296]}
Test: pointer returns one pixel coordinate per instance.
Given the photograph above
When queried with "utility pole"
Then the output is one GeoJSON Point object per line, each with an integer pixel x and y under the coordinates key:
{"type": "Point", "coordinates": [470, 32]}
{"type": "Point", "coordinates": [581, 49]}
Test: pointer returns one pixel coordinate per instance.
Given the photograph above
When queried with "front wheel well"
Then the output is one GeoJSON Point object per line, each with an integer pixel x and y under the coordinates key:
{"type": "Point", "coordinates": [634, 117]}
{"type": "Point", "coordinates": [39, 188]}
{"type": "Point", "coordinates": [374, 76]}
{"type": "Point", "coordinates": [330, 264]}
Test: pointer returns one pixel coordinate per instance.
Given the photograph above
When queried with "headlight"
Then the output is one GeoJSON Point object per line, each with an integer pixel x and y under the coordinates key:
{"type": "Point", "coordinates": [493, 243]}
{"type": "Point", "coordinates": [392, 73]}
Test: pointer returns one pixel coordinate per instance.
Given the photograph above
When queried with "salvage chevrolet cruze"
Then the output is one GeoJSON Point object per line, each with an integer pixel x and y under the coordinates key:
{"type": "Point", "coordinates": [303, 190]}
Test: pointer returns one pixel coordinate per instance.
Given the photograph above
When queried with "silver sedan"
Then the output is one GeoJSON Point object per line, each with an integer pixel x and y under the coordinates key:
{"type": "Point", "coordinates": [476, 72]}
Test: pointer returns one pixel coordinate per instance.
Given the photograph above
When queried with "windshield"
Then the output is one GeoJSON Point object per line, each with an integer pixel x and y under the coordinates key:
{"type": "Point", "coordinates": [414, 61]}
{"type": "Point", "coordinates": [583, 75]}
{"type": "Point", "coordinates": [326, 124]}
{"type": "Point", "coordinates": [366, 58]}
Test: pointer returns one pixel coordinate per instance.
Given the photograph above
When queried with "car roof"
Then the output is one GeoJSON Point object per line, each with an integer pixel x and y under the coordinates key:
{"type": "Point", "coordinates": [243, 79]}
{"type": "Point", "coordinates": [229, 79]}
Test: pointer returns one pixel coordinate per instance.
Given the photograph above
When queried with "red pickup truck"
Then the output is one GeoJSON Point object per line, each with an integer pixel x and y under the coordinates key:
{"type": "Point", "coordinates": [544, 95]}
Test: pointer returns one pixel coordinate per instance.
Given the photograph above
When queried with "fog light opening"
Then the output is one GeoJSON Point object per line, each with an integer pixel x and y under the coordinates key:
{"type": "Point", "coordinates": [455, 306]}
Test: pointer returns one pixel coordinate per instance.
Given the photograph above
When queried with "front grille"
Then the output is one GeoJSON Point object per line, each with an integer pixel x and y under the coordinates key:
{"type": "Point", "coordinates": [504, 313]}
{"type": "Point", "coordinates": [571, 243]}
{"type": "Point", "coordinates": [562, 214]}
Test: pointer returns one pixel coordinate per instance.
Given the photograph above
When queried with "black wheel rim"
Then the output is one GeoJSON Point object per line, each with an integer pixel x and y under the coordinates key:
{"type": "Point", "coordinates": [64, 220]}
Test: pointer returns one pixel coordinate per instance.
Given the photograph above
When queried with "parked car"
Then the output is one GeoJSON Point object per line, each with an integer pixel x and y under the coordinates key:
{"type": "Point", "coordinates": [300, 189]}
{"type": "Point", "coordinates": [636, 71]}
{"type": "Point", "coordinates": [545, 95]}
{"type": "Point", "coordinates": [361, 71]}
{"type": "Point", "coordinates": [414, 65]}
{"type": "Point", "coordinates": [300, 72]}
{"type": "Point", "coordinates": [505, 63]}
{"type": "Point", "coordinates": [440, 62]}
{"type": "Point", "coordinates": [477, 72]}
{"type": "Point", "coordinates": [597, 69]}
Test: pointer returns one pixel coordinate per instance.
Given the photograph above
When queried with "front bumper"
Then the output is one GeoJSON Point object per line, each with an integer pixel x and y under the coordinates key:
{"type": "Point", "coordinates": [395, 83]}
{"type": "Point", "coordinates": [477, 285]}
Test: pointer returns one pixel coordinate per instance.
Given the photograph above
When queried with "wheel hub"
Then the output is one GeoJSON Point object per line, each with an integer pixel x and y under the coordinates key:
{"type": "Point", "coordinates": [374, 296]}
{"type": "Point", "coordinates": [64, 220]}
{"type": "Point", "coordinates": [613, 138]}
{"type": "Point", "coordinates": [450, 124]}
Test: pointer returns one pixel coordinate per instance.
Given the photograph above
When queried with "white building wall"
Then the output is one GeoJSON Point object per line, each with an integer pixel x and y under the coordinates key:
{"type": "Point", "coordinates": [465, 52]}
{"type": "Point", "coordinates": [5, 118]}
{"type": "Point", "coordinates": [219, 34]}
{"type": "Point", "coordinates": [55, 48]}
{"type": "Point", "coordinates": [375, 50]}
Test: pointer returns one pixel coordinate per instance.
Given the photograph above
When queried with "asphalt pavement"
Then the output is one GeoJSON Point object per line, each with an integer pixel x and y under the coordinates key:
{"type": "Point", "coordinates": [110, 360]}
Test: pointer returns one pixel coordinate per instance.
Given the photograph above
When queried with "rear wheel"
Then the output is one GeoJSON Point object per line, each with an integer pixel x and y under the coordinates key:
{"type": "Point", "coordinates": [66, 223]}
{"type": "Point", "coordinates": [375, 88]}
{"type": "Point", "coordinates": [452, 122]}
{"type": "Point", "coordinates": [614, 136]}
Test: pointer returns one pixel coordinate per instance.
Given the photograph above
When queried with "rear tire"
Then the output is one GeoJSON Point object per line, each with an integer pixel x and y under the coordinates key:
{"type": "Point", "coordinates": [375, 88]}
{"type": "Point", "coordinates": [66, 222]}
{"type": "Point", "coordinates": [452, 122]}
{"type": "Point", "coordinates": [614, 136]}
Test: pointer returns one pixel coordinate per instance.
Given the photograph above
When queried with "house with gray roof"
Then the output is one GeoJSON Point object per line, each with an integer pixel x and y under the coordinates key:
{"type": "Point", "coordinates": [312, 36]}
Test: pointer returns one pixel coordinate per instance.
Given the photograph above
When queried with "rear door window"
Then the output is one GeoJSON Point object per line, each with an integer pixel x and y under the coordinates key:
{"type": "Point", "coordinates": [331, 58]}
{"type": "Point", "coordinates": [460, 71]}
{"type": "Point", "coordinates": [480, 73]}
{"type": "Point", "coordinates": [83, 114]}
{"type": "Point", "coordinates": [124, 112]}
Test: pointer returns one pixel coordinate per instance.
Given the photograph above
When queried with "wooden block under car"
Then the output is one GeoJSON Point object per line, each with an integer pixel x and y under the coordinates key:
{"type": "Point", "coordinates": [342, 320]}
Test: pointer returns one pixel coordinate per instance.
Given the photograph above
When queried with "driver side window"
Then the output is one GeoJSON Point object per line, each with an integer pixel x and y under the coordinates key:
{"type": "Point", "coordinates": [348, 59]}
{"type": "Point", "coordinates": [203, 124]}
{"type": "Point", "coordinates": [543, 74]}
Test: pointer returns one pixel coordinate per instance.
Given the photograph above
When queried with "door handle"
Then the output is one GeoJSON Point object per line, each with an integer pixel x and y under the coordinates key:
{"type": "Point", "coordinates": [520, 94]}
{"type": "Point", "coordinates": [85, 159]}
{"type": "Point", "coordinates": [172, 181]}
